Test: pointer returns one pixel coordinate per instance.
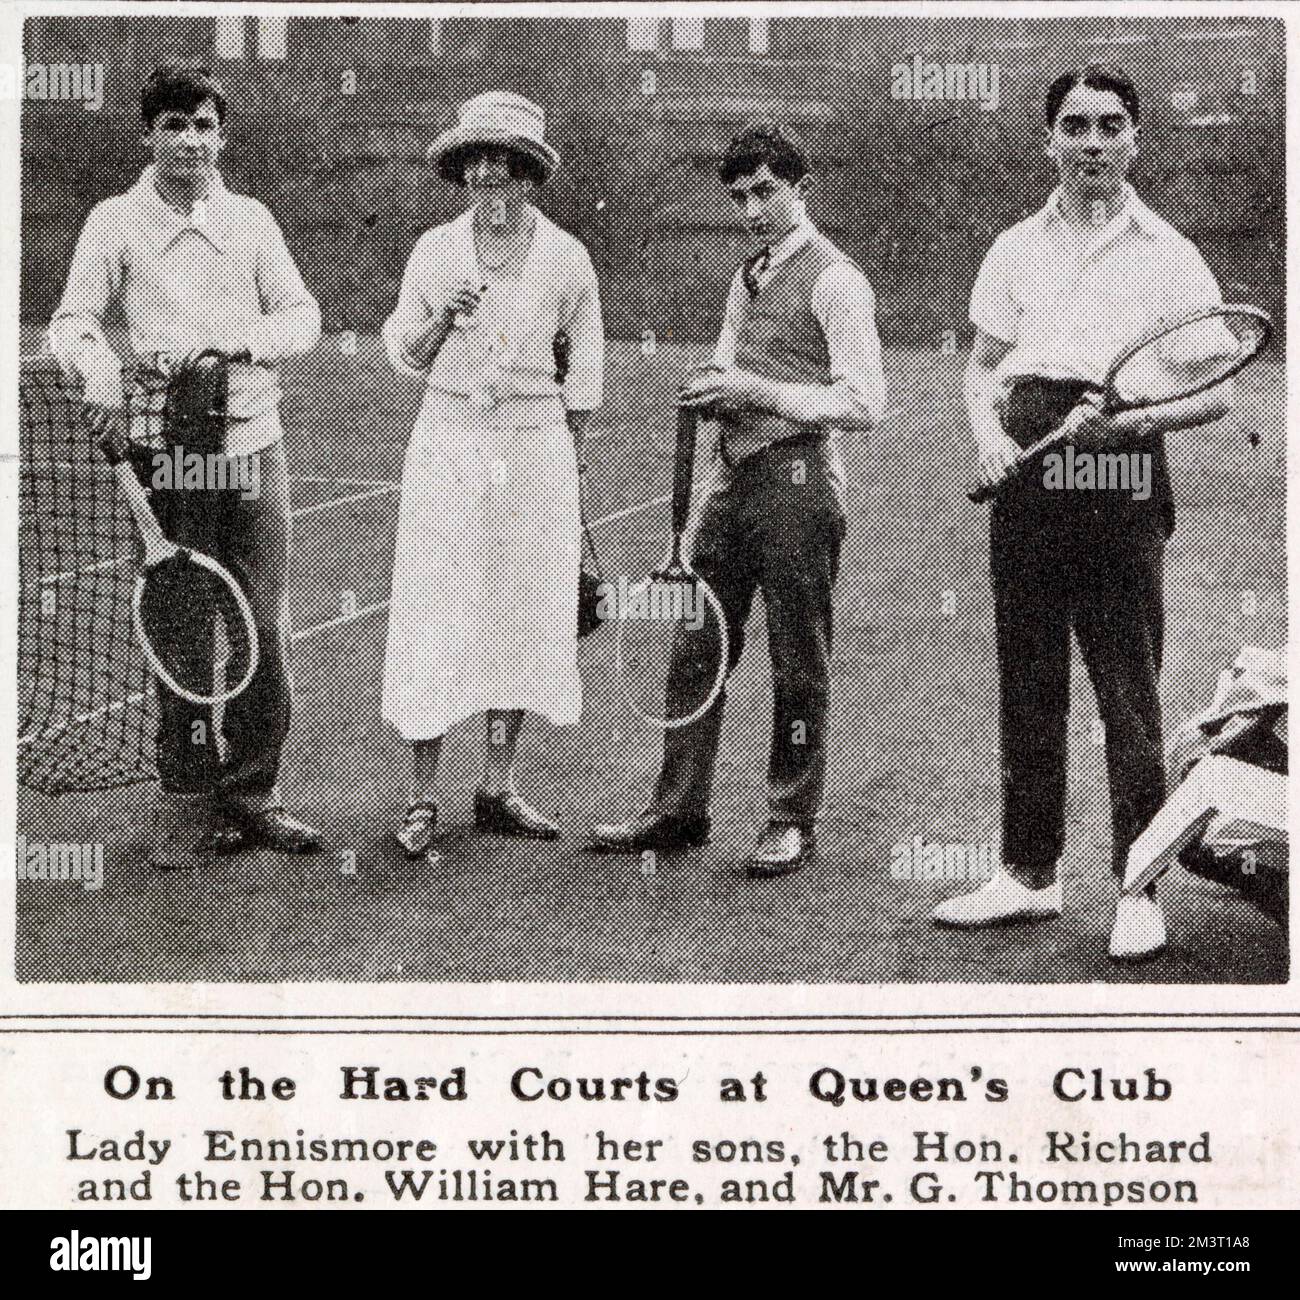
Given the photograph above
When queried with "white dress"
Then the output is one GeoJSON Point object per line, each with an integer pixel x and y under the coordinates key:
{"type": "Point", "coordinates": [485, 582]}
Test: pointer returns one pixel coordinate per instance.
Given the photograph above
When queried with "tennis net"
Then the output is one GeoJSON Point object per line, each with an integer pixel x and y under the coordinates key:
{"type": "Point", "coordinates": [86, 714]}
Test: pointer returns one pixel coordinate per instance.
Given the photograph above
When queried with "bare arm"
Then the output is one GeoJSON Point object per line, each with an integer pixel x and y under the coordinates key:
{"type": "Point", "coordinates": [1187, 413]}
{"type": "Point", "coordinates": [995, 451]}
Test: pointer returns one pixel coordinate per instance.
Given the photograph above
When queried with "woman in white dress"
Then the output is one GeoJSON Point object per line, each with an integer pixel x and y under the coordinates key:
{"type": "Point", "coordinates": [485, 585]}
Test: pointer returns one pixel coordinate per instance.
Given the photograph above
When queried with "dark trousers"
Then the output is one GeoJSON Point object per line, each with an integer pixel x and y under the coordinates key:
{"type": "Point", "coordinates": [1094, 563]}
{"type": "Point", "coordinates": [251, 538]}
{"type": "Point", "coordinates": [776, 522]}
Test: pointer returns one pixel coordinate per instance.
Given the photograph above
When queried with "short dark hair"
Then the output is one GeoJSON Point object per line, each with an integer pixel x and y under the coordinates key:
{"type": "Point", "coordinates": [522, 166]}
{"type": "Point", "coordinates": [1096, 76]}
{"type": "Point", "coordinates": [177, 88]}
{"type": "Point", "coordinates": [764, 142]}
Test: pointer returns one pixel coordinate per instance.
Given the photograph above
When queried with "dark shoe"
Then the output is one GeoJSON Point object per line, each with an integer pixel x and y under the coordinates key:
{"type": "Point", "coordinates": [508, 814]}
{"type": "Point", "coordinates": [649, 832]}
{"type": "Point", "coordinates": [781, 849]}
{"type": "Point", "coordinates": [274, 829]}
{"type": "Point", "coordinates": [225, 833]}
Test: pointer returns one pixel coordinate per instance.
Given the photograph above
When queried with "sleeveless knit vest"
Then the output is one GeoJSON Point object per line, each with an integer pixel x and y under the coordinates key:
{"type": "Point", "coordinates": [779, 338]}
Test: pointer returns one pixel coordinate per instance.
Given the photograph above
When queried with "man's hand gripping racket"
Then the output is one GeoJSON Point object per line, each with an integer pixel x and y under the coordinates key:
{"type": "Point", "coordinates": [1181, 357]}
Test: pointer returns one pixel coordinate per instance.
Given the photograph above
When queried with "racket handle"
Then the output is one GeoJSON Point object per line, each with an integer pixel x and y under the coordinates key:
{"type": "Point", "coordinates": [684, 466]}
{"type": "Point", "coordinates": [1064, 432]}
{"type": "Point", "coordinates": [115, 447]}
{"type": "Point", "coordinates": [982, 492]}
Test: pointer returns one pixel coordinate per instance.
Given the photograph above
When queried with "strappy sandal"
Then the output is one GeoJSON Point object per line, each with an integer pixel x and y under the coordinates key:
{"type": "Point", "coordinates": [418, 828]}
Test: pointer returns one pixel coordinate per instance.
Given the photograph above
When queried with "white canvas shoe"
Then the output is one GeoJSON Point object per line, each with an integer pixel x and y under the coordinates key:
{"type": "Point", "coordinates": [999, 901]}
{"type": "Point", "coordinates": [1139, 932]}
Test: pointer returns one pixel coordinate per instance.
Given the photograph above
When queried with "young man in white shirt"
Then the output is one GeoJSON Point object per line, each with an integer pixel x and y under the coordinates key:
{"type": "Point", "coordinates": [797, 360]}
{"type": "Point", "coordinates": [193, 267]}
{"type": "Point", "coordinates": [1059, 295]}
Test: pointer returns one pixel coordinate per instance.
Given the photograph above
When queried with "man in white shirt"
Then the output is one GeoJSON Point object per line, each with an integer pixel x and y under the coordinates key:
{"type": "Point", "coordinates": [193, 267]}
{"type": "Point", "coordinates": [1057, 298]}
{"type": "Point", "coordinates": [798, 360]}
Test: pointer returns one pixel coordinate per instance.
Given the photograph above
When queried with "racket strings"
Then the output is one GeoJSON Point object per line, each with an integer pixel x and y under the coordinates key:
{"type": "Point", "coordinates": [672, 648]}
{"type": "Point", "coordinates": [1190, 357]}
{"type": "Point", "coordinates": [195, 627]}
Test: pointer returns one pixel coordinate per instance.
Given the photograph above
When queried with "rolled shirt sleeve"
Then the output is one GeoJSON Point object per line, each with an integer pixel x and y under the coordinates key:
{"type": "Point", "coordinates": [845, 306]}
{"type": "Point", "coordinates": [724, 351]}
{"type": "Point", "coordinates": [1206, 341]}
{"type": "Point", "coordinates": [1200, 287]}
{"type": "Point", "coordinates": [993, 310]}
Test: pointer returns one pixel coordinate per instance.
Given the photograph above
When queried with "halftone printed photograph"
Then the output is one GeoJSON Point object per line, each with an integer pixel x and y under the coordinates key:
{"type": "Point", "coordinates": [761, 497]}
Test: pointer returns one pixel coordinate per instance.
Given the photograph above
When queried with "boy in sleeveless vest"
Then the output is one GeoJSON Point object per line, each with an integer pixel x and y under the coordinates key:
{"type": "Point", "coordinates": [797, 361]}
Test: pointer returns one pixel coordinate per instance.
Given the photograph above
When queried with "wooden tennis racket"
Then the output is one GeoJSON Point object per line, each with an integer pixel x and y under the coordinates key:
{"type": "Point", "coordinates": [1185, 355]}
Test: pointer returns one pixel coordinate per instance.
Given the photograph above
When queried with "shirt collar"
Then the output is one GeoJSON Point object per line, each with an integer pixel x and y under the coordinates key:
{"type": "Point", "coordinates": [787, 246]}
{"type": "Point", "coordinates": [1134, 212]}
{"type": "Point", "coordinates": [163, 223]}
{"type": "Point", "coordinates": [792, 241]}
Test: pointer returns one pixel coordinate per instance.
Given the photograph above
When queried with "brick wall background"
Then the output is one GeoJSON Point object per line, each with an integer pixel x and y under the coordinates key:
{"type": "Point", "coordinates": [331, 136]}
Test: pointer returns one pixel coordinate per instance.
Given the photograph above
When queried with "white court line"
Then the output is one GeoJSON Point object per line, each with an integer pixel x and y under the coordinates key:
{"type": "Point", "coordinates": [83, 717]}
{"type": "Point", "coordinates": [368, 610]}
{"type": "Point", "coordinates": [34, 466]}
{"type": "Point", "coordinates": [631, 510]}
{"type": "Point", "coordinates": [340, 621]}
{"type": "Point", "coordinates": [385, 490]}
{"type": "Point", "coordinates": [347, 482]}
{"type": "Point", "coordinates": [104, 468]}
{"type": "Point", "coordinates": [72, 573]}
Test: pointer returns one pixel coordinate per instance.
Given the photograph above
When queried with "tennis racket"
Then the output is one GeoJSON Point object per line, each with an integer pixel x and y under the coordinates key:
{"type": "Point", "coordinates": [185, 604]}
{"type": "Point", "coordinates": [672, 631]}
{"type": "Point", "coordinates": [1182, 356]}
